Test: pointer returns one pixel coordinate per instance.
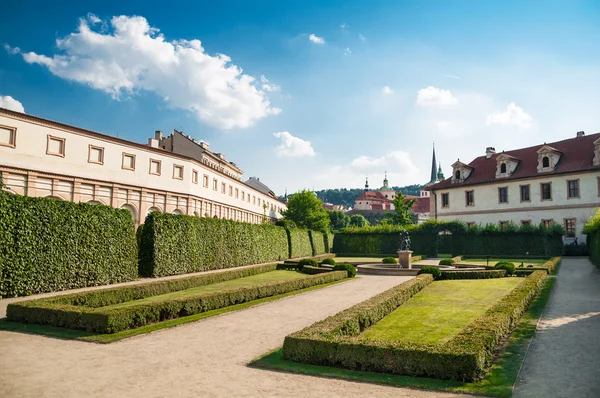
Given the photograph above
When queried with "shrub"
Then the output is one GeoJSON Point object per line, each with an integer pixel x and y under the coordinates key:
{"type": "Point", "coordinates": [299, 243]}
{"type": "Point", "coordinates": [180, 244]}
{"type": "Point", "coordinates": [506, 265]}
{"type": "Point", "coordinates": [309, 269]}
{"type": "Point", "coordinates": [389, 260]}
{"type": "Point", "coordinates": [60, 311]}
{"type": "Point", "coordinates": [435, 271]}
{"type": "Point", "coordinates": [346, 267]}
{"type": "Point", "coordinates": [47, 245]}
{"type": "Point", "coordinates": [317, 242]}
{"type": "Point", "coordinates": [287, 224]}
{"type": "Point", "coordinates": [336, 340]}
{"type": "Point", "coordinates": [329, 261]}
{"type": "Point", "coordinates": [307, 261]}
{"type": "Point", "coordinates": [446, 261]}
{"type": "Point", "coordinates": [479, 274]}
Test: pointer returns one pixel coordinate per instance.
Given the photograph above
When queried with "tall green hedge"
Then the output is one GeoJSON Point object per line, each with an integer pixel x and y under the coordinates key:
{"type": "Point", "coordinates": [299, 243]}
{"type": "Point", "coordinates": [179, 244]}
{"type": "Point", "coordinates": [317, 241]}
{"type": "Point", "coordinates": [592, 229]}
{"type": "Point", "coordinates": [328, 241]}
{"type": "Point", "coordinates": [435, 237]}
{"type": "Point", "coordinates": [49, 245]}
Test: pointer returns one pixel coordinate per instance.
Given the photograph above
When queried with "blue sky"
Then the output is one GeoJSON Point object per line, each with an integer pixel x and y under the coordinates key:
{"type": "Point", "coordinates": [313, 93]}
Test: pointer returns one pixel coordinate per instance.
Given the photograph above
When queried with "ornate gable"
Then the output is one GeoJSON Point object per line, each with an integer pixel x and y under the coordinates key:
{"type": "Point", "coordinates": [460, 171]}
{"type": "Point", "coordinates": [505, 165]}
{"type": "Point", "coordinates": [548, 158]}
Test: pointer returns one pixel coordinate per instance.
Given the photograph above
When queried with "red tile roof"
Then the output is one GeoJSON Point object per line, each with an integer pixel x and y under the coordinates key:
{"type": "Point", "coordinates": [421, 205]}
{"type": "Point", "coordinates": [577, 155]}
{"type": "Point", "coordinates": [372, 195]}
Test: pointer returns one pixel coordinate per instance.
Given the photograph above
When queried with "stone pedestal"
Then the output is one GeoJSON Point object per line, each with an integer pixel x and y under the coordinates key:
{"type": "Point", "coordinates": [405, 259]}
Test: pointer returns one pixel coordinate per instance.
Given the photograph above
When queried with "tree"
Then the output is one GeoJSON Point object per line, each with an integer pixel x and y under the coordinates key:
{"type": "Point", "coordinates": [403, 214]}
{"type": "Point", "coordinates": [338, 220]}
{"type": "Point", "coordinates": [358, 220]}
{"type": "Point", "coordinates": [306, 210]}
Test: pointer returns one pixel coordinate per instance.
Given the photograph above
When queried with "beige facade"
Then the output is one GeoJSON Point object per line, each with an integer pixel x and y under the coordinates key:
{"type": "Point", "coordinates": [41, 158]}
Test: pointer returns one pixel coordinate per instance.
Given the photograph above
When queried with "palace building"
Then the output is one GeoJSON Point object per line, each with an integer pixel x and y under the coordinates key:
{"type": "Point", "coordinates": [556, 182]}
{"type": "Point", "coordinates": [175, 174]}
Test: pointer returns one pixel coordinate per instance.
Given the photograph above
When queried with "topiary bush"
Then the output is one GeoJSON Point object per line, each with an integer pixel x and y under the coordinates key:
{"type": "Point", "coordinates": [307, 261]}
{"type": "Point", "coordinates": [446, 261]}
{"type": "Point", "coordinates": [389, 260]}
{"type": "Point", "coordinates": [346, 267]}
{"type": "Point", "coordinates": [506, 265]}
{"type": "Point", "coordinates": [434, 271]}
{"type": "Point", "coordinates": [329, 261]}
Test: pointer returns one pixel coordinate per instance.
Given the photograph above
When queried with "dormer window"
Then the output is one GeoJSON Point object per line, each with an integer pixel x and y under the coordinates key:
{"type": "Point", "coordinates": [461, 171]}
{"type": "Point", "coordinates": [503, 168]}
{"type": "Point", "coordinates": [548, 159]}
{"type": "Point", "coordinates": [506, 165]}
{"type": "Point", "coordinates": [457, 175]}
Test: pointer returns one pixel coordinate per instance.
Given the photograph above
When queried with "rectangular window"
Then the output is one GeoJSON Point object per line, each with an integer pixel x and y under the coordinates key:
{"type": "Point", "coordinates": [55, 146]}
{"type": "Point", "coordinates": [525, 193]}
{"type": "Point", "coordinates": [237, 193]}
{"type": "Point", "coordinates": [215, 184]}
{"type": "Point", "coordinates": [230, 190]}
{"type": "Point", "coordinates": [525, 222]}
{"type": "Point", "coordinates": [205, 181]}
{"type": "Point", "coordinates": [155, 167]}
{"type": "Point", "coordinates": [503, 195]}
{"type": "Point", "coordinates": [223, 187]}
{"type": "Point", "coordinates": [570, 225]}
{"type": "Point", "coordinates": [243, 195]}
{"type": "Point", "coordinates": [546, 189]}
{"type": "Point", "coordinates": [248, 198]}
{"type": "Point", "coordinates": [195, 176]}
{"type": "Point", "coordinates": [95, 154]}
{"type": "Point", "coordinates": [547, 223]}
{"type": "Point", "coordinates": [177, 172]}
{"type": "Point", "coordinates": [503, 224]}
{"type": "Point", "coordinates": [573, 189]}
{"type": "Point", "coordinates": [470, 198]}
{"type": "Point", "coordinates": [445, 200]}
{"type": "Point", "coordinates": [8, 136]}
{"type": "Point", "coordinates": [128, 161]}
{"type": "Point", "coordinates": [253, 199]}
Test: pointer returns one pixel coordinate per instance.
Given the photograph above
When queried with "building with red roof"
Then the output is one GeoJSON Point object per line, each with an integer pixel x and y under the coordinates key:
{"type": "Point", "coordinates": [556, 182]}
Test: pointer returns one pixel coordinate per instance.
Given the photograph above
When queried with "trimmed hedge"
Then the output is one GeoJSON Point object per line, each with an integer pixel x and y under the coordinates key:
{"type": "Point", "coordinates": [428, 269]}
{"type": "Point", "coordinates": [455, 238]}
{"type": "Point", "coordinates": [480, 274]}
{"type": "Point", "coordinates": [180, 244]}
{"type": "Point", "coordinates": [592, 229]}
{"type": "Point", "coordinates": [299, 243]}
{"type": "Point", "coordinates": [446, 261]}
{"type": "Point", "coordinates": [336, 341]}
{"type": "Point", "coordinates": [389, 260]}
{"type": "Point", "coordinates": [329, 261]}
{"type": "Point", "coordinates": [317, 241]}
{"type": "Point", "coordinates": [48, 245]}
{"type": "Point", "coordinates": [328, 236]}
{"type": "Point", "coordinates": [64, 312]}
{"type": "Point", "coordinates": [351, 269]}
{"type": "Point", "coordinates": [312, 270]}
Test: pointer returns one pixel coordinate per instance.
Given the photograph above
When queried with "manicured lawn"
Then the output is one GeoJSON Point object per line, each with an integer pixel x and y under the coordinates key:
{"type": "Point", "coordinates": [493, 261]}
{"type": "Point", "coordinates": [498, 382]}
{"type": "Point", "coordinates": [69, 334]}
{"type": "Point", "coordinates": [358, 259]}
{"type": "Point", "coordinates": [441, 310]}
{"type": "Point", "coordinates": [254, 280]}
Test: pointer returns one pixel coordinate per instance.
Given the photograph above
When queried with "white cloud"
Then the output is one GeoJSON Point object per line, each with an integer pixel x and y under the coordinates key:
{"type": "Point", "coordinates": [387, 90]}
{"type": "Point", "coordinates": [397, 162]}
{"type": "Point", "coordinates": [512, 116]}
{"type": "Point", "coordinates": [449, 76]}
{"type": "Point", "coordinates": [433, 96]}
{"type": "Point", "coordinates": [267, 85]}
{"type": "Point", "coordinates": [10, 103]}
{"type": "Point", "coordinates": [293, 147]}
{"type": "Point", "coordinates": [347, 51]}
{"type": "Point", "coordinates": [316, 39]}
{"type": "Point", "coordinates": [344, 26]}
{"type": "Point", "coordinates": [362, 37]}
{"type": "Point", "coordinates": [136, 57]}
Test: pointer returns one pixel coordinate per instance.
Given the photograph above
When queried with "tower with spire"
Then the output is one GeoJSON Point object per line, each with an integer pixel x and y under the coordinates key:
{"type": "Point", "coordinates": [433, 179]}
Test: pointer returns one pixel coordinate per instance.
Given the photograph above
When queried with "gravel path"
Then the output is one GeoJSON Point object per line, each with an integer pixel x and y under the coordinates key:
{"type": "Point", "coordinates": [206, 358]}
{"type": "Point", "coordinates": [564, 357]}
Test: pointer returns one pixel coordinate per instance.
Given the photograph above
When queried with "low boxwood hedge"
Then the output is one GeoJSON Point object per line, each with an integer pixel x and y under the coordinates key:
{"type": "Point", "coordinates": [351, 269]}
{"type": "Point", "coordinates": [479, 274]}
{"type": "Point", "coordinates": [336, 341]}
{"type": "Point", "coordinates": [431, 270]}
{"type": "Point", "coordinates": [311, 270]}
{"type": "Point", "coordinates": [88, 311]}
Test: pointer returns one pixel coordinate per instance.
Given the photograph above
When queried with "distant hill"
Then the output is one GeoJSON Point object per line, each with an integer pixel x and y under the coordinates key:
{"type": "Point", "coordinates": [344, 196]}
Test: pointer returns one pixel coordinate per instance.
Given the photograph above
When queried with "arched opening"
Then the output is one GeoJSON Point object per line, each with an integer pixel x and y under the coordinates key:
{"type": "Point", "coordinates": [196, 214]}
{"type": "Point", "coordinates": [457, 175]}
{"type": "Point", "coordinates": [178, 212]}
{"type": "Point", "coordinates": [94, 202]}
{"type": "Point", "coordinates": [152, 210]}
{"type": "Point", "coordinates": [503, 168]}
{"type": "Point", "coordinates": [131, 210]}
{"type": "Point", "coordinates": [54, 197]}
{"type": "Point", "coordinates": [545, 161]}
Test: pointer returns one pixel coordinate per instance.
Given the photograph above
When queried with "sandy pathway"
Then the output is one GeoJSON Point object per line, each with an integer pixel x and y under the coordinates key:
{"type": "Point", "coordinates": [202, 359]}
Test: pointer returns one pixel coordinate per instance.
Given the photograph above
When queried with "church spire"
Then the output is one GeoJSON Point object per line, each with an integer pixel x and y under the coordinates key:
{"type": "Point", "coordinates": [366, 183]}
{"type": "Point", "coordinates": [385, 180]}
{"type": "Point", "coordinates": [433, 179]}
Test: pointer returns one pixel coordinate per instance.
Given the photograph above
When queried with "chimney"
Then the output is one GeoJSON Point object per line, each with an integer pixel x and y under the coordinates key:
{"type": "Point", "coordinates": [489, 151]}
{"type": "Point", "coordinates": [203, 145]}
{"type": "Point", "coordinates": [153, 142]}
{"type": "Point", "coordinates": [580, 134]}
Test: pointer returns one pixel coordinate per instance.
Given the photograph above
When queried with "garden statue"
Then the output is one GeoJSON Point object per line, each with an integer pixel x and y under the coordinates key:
{"type": "Point", "coordinates": [404, 241]}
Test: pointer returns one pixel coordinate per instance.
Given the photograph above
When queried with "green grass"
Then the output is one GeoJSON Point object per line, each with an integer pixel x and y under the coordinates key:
{"type": "Point", "coordinates": [358, 259]}
{"type": "Point", "coordinates": [441, 310]}
{"type": "Point", "coordinates": [498, 382]}
{"type": "Point", "coordinates": [493, 261]}
{"type": "Point", "coordinates": [69, 334]}
{"type": "Point", "coordinates": [254, 280]}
